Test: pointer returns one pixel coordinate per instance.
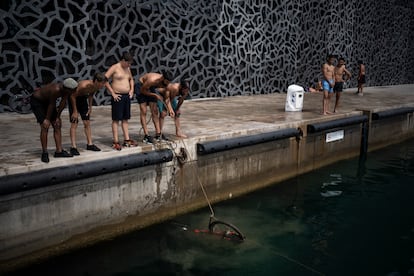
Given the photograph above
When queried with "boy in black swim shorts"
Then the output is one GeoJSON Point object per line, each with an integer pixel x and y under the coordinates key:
{"type": "Point", "coordinates": [43, 103]}
{"type": "Point", "coordinates": [80, 103]}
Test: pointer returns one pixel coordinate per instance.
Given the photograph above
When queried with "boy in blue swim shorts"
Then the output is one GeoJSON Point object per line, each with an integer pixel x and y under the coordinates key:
{"type": "Point", "coordinates": [328, 82]}
{"type": "Point", "coordinates": [177, 93]}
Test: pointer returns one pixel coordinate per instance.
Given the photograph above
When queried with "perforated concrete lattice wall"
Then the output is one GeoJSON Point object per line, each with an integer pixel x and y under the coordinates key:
{"type": "Point", "coordinates": [224, 47]}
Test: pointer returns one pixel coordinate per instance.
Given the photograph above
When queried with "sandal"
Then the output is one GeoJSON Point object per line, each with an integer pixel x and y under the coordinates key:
{"type": "Point", "coordinates": [130, 143]}
{"type": "Point", "coordinates": [116, 146]}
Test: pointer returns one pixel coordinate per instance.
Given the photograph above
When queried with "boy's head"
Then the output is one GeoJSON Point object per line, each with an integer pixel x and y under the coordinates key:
{"type": "Point", "coordinates": [70, 84]}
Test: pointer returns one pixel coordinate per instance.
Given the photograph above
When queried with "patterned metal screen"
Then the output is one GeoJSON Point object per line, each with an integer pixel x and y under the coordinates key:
{"type": "Point", "coordinates": [224, 47]}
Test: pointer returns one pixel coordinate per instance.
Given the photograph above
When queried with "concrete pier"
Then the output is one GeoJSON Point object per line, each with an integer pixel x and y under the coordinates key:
{"type": "Point", "coordinates": [234, 145]}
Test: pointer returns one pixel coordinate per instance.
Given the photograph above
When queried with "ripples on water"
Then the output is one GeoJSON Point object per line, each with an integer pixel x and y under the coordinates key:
{"type": "Point", "coordinates": [355, 217]}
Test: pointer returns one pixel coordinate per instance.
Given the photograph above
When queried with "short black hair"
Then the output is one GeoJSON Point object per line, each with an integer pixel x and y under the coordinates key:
{"type": "Point", "coordinates": [183, 83]}
{"type": "Point", "coordinates": [167, 75]}
{"type": "Point", "coordinates": [341, 58]}
{"type": "Point", "coordinates": [330, 56]}
{"type": "Point", "coordinates": [99, 77]}
{"type": "Point", "coordinates": [127, 56]}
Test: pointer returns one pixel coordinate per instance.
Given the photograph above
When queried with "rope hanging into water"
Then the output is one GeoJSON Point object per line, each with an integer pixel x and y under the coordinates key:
{"type": "Point", "coordinates": [205, 195]}
{"type": "Point", "coordinates": [224, 229]}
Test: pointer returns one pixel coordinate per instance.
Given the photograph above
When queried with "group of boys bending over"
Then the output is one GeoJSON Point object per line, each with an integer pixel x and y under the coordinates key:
{"type": "Point", "coordinates": [152, 89]}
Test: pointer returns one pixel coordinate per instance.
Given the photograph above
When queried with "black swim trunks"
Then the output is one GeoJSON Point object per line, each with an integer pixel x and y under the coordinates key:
{"type": "Point", "coordinates": [121, 110]}
{"type": "Point", "coordinates": [143, 98]}
{"type": "Point", "coordinates": [338, 87]}
{"type": "Point", "coordinates": [82, 107]}
{"type": "Point", "coordinates": [39, 109]}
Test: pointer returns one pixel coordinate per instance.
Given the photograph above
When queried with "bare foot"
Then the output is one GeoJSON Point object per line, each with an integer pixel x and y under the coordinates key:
{"type": "Point", "coordinates": [329, 113]}
{"type": "Point", "coordinates": [180, 135]}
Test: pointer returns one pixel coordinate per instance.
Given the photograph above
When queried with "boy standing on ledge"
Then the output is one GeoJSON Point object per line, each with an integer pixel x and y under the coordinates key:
{"type": "Point", "coordinates": [43, 103]}
{"type": "Point", "coordinates": [81, 102]}
{"type": "Point", "coordinates": [328, 82]}
{"type": "Point", "coordinates": [122, 91]}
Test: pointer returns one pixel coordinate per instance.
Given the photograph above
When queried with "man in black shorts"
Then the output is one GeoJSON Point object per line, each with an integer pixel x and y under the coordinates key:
{"type": "Point", "coordinates": [340, 72]}
{"type": "Point", "coordinates": [361, 78]}
{"type": "Point", "coordinates": [80, 103]}
{"type": "Point", "coordinates": [43, 103]}
{"type": "Point", "coordinates": [121, 88]}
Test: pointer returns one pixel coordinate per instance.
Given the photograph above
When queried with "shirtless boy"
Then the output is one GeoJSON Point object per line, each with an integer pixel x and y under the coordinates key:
{"type": "Point", "coordinates": [177, 93]}
{"type": "Point", "coordinates": [43, 103]}
{"type": "Point", "coordinates": [147, 94]}
{"type": "Point", "coordinates": [81, 102]}
{"type": "Point", "coordinates": [122, 90]}
{"type": "Point", "coordinates": [340, 73]}
{"type": "Point", "coordinates": [328, 83]}
{"type": "Point", "coordinates": [361, 77]}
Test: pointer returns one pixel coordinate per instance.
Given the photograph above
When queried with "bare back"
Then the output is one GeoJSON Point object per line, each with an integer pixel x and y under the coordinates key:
{"type": "Point", "coordinates": [174, 89]}
{"type": "Point", "coordinates": [85, 88]}
{"type": "Point", "coordinates": [151, 79]}
{"type": "Point", "coordinates": [50, 92]}
{"type": "Point", "coordinates": [361, 69]}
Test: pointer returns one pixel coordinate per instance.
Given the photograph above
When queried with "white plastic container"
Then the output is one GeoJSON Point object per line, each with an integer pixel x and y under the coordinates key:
{"type": "Point", "coordinates": [294, 98]}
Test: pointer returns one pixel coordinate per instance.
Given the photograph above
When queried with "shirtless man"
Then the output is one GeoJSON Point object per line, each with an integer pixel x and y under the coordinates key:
{"type": "Point", "coordinates": [43, 103]}
{"type": "Point", "coordinates": [177, 93]}
{"type": "Point", "coordinates": [340, 72]}
{"type": "Point", "coordinates": [122, 90]}
{"type": "Point", "coordinates": [81, 104]}
{"type": "Point", "coordinates": [147, 94]}
{"type": "Point", "coordinates": [361, 78]}
{"type": "Point", "coordinates": [328, 83]}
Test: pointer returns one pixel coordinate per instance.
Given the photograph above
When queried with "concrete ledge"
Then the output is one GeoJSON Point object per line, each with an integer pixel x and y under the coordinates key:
{"type": "Point", "coordinates": [318, 127]}
{"type": "Point", "coordinates": [32, 180]}
{"type": "Point", "coordinates": [244, 141]}
{"type": "Point", "coordinates": [391, 113]}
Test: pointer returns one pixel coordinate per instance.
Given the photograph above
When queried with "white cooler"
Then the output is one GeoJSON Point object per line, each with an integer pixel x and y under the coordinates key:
{"type": "Point", "coordinates": [294, 98]}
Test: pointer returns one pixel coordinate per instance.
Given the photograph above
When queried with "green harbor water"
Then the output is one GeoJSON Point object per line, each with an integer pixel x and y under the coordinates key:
{"type": "Point", "coordinates": [355, 217]}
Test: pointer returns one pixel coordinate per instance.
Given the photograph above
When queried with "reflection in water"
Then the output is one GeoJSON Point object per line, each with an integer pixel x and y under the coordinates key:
{"type": "Point", "coordinates": [291, 229]}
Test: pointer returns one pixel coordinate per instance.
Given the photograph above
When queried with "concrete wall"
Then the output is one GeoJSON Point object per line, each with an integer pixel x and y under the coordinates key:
{"type": "Point", "coordinates": [224, 48]}
{"type": "Point", "coordinates": [49, 220]}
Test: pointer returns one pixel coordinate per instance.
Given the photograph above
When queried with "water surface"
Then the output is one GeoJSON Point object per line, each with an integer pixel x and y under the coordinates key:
{"type": "Point", "coordinates": [355, 217]}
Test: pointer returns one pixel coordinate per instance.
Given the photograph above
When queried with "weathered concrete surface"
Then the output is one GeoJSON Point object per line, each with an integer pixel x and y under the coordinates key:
{"type": "Point", "coordinates": [84, 211]}
{"type": "Point", "coordinates": [201, 120]}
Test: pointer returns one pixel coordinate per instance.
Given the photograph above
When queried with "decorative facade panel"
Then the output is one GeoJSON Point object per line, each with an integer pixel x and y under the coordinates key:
{"type": "Point", "coordinates": [223, 47]}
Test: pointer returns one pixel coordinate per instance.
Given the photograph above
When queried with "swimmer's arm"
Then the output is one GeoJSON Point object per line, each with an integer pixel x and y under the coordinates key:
{"type": "Point", "coordinates": [73, 101]}
{"type": "Point", "coordinates": [90, 103]}
{"type": "Point", "coordinates": [348, 74]}
{"type": "Point", "coordinates": [167, 95]}
{"type": "Point", "coordinates": [181, 99]}
{"type": "Point", "coordinates": [145, 89]}
{"type": "Point", "coordinates": [62, 105]}
{"type": "Point", "coordinates": [108, 86]}
{"type": "Point", "coordinates": [131, 84]}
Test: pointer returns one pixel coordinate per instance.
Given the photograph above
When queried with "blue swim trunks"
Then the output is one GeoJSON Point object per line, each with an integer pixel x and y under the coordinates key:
{"type": "Point", "coordinates": [162, 107]}
{"type": "Point", "coordinates": [326, 85]}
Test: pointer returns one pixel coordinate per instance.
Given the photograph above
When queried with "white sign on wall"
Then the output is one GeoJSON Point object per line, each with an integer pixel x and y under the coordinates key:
{"type": "Point", "coordinates": [334, 136]}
